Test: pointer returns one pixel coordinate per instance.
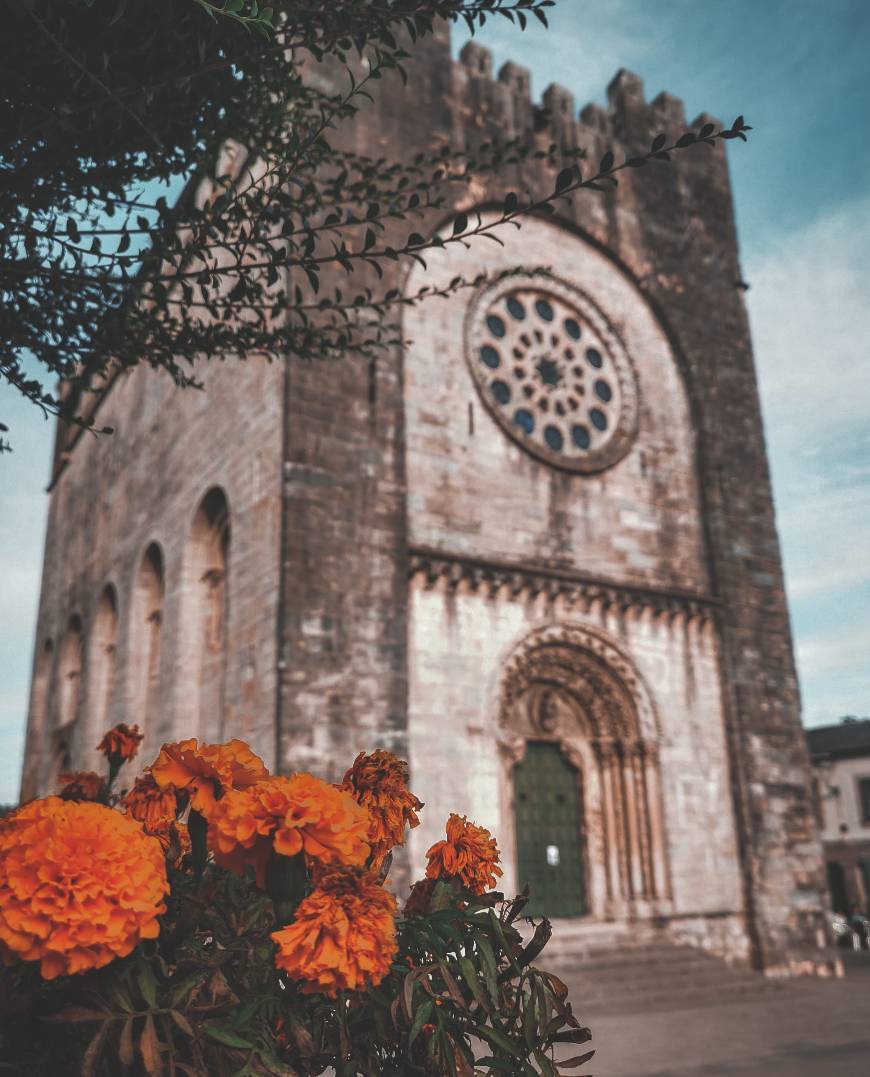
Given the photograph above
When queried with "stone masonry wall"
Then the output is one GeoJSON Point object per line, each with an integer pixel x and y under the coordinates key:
{"type": "Point", "coordinates": [143, 484]}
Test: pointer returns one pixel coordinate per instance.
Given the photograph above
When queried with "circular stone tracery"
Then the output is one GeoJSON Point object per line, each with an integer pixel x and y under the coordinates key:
{"type": "Point", "coordinates": [552, 371]}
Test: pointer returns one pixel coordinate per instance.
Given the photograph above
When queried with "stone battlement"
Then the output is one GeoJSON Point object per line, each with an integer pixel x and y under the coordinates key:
{"type": "Point", "coordinates": [506, 102]}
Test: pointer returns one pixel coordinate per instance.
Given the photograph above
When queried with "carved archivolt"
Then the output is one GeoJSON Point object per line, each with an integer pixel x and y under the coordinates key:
{"type": "Point", "coordinates": [590, 668]}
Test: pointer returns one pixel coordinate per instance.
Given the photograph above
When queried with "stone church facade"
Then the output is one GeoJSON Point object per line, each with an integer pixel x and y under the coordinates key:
{"type": "Point", "coordinates": [533, 550]}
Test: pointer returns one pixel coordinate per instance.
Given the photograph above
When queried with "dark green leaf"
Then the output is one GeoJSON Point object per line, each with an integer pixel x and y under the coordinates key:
{"type": "Point", "coordinates": [226, 1036]}
{"type": "Point", "coordinates": [564, 180]}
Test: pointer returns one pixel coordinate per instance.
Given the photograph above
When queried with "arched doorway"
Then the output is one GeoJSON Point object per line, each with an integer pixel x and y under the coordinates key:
{"type": "Point", "coordinates": [581, 737]}
{"type": "Point", "coordinates": [549, 831]}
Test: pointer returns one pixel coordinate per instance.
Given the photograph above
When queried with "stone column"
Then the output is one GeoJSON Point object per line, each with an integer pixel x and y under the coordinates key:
{"type": "Point", "coordinates": [662, 885]}
{"type": "Point", "coordinates": [613, 814]}
{"type": "Point", "coordinates": [642, 810]}
{"type": "Point", "coordinates": [636, 888]}
{"type": "Point", "coordinates": [602, 756]}
{"type": "Point", "coordinates": [621, 846]}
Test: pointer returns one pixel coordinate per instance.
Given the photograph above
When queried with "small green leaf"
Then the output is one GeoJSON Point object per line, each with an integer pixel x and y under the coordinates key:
{"type": "Point", "coordinates": [472, 978]}
{"type": "Point", "coordinates": [182, 1022]}
{"type": "Point", "coordinates": [226, 1037]}
{"type": "Point", "coordinates": [498, 1039]}
{"type": "Point", "coordinates": [147, 985]}
{"type": "Point", "coordinates": [420, 1019]}
{"type": "Point", "coordinates": [564, 180]}
{"type": "Point", "coordinates": [577, 1060]}
{"type": "Point", "coordinates": [490, 967]}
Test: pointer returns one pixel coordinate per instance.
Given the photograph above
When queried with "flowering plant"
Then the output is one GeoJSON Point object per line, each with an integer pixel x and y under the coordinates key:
{"type": "Point", "coordinates": [217, 920]}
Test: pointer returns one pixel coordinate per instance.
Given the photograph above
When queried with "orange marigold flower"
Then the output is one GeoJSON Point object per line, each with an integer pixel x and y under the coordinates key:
{"type": "Point", "coordinates": [343, 935]}
{"type": "Point", "coordinates": [81, 885]}
{"type": "Point", "coordinates": [290, 815]}
{"type": "Point", "coordinates": [122, 742]}
{"type": "Point", "coordinates": [152, 805]}
{"type": "Point", "coordinates": [80, 785]}
{"type": "Point", "coordinates": [469, 854]}
{"type": "Point", "coordinates": [379, 782]}
{"type": "Point", "coordinates": [207, 770]}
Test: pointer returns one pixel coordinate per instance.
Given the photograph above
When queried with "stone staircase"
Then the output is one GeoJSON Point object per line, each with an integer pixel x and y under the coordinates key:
{"type": "Point", "coordinates": [612, 971]}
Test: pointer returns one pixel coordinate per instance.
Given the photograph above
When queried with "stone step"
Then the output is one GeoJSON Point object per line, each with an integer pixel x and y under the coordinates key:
{"type": "Point", "coordinates": [683, 997]}
{"type": "Point", "coordinates": [660, 954]}
{"type": "Point", "coordinates": [645, 980]}
{"type": "Point", "coordinates": [609, 971]}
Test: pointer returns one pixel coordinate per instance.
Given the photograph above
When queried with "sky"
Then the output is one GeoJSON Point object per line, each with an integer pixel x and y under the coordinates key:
{"type": "Point", "coordinates": [798, 71]}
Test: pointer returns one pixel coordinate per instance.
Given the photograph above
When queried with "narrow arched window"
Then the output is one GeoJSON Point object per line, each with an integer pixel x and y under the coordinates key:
{"type": "Point", "coordinates": [206, 600]}
{"type": "Point", "coordinates": [37, 731]}
{"type": "Point", "coordinates": [69, 695]}
{"type": "Point", "coordinates": [101, 671]}
{"type": "Point", "coordinates": [69, 675]}
{"type": "Point", "coordinates": [146, 614]}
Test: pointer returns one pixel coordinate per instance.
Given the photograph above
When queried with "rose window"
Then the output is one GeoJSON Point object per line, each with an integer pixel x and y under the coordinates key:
{"type": "Point", "coordinates": [552, 372]}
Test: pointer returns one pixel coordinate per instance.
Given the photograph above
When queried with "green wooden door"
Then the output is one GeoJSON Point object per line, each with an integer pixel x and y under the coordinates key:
{"type": "Point", "coordinates": [549, 832]}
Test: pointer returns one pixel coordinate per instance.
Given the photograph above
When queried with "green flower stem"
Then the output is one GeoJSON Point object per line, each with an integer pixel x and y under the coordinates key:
{"type": "Point", "coordinates": [197, 826]}
{"type": "Point", "coordinates": [286, 884]}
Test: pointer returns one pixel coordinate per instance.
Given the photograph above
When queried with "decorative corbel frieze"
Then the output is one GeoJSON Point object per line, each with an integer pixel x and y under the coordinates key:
{"type": "Point", "coordinates": [516, 582]}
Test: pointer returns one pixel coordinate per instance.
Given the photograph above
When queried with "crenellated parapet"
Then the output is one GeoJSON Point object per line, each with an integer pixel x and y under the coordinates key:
{"type": "Point", "coordinates": [503, 104]}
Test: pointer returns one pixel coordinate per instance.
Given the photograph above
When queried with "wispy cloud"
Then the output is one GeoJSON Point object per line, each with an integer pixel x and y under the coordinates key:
{"type": "Point", "coordinates": [585, 46]}
{"type": "Point", "coordinates": [810, 311]}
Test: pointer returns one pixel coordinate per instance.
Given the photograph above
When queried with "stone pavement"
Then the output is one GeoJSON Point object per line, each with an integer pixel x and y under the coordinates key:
{"type": "Point", "coordinates": [808, 1028]}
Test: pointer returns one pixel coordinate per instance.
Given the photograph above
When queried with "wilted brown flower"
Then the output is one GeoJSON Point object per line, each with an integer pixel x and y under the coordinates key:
{"type": "Point", "coordinates": [80, 785]}
{"type": "Point", "coordinates": [469, 854]}
{"type": "Point", "coordinates": [379, 782]}
{"type": "Point", "coordinates": [121, 742]}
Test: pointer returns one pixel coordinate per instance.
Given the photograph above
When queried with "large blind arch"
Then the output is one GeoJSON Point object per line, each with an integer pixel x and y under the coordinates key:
{"type": "Point", "coordinates": [144, 654]}
{"type": "Point", "coordinates": [102, 657]}
{"type": "Point", "coordinates": [206, 613]}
